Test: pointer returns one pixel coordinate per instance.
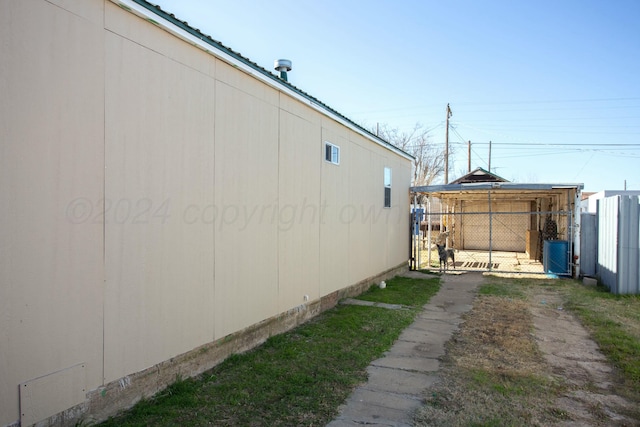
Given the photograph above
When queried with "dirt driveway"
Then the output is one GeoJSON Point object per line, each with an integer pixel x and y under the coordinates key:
{"type": "Point", "coordinates": [525, 360]}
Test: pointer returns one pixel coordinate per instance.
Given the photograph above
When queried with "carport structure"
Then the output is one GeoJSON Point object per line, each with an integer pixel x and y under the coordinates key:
{"type": "Point", "coordinates": [490, 221]}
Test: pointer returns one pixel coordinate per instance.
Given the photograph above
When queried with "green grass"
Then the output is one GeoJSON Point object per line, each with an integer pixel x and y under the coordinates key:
{"type": "Point", "coordinates": [402, 290]}
{"type": "Point", "coordinates": [502, 290]}
{"type": "Point", "coordinates": [297, 378]}
{"type": "Point", "coordinates": [614, 323]}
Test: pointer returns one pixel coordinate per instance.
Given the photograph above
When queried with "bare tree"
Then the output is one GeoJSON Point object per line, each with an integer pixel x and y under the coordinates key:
{"type": "Point", "coordinates": [428, 163]}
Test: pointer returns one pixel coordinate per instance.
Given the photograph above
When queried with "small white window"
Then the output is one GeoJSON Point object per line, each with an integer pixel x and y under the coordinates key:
{"type": "Point", "coordinates": [387, 187]}
{"type": "Point", "coordinates": [332, 153]}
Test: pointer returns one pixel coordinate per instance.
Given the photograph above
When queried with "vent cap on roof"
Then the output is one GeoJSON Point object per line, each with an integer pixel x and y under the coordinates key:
{"type": "Point", "coordinates": [282, 66]}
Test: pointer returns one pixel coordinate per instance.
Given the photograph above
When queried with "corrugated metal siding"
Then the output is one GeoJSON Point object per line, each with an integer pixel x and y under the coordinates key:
{"type": "Point", "coordinates": [607, 212]}
{"type": "Point", "coordinates": [588, 244]}
{"type": "Point", "coordinates": [618, 244]}
{"type": "Point", "coordinates": [628, 264]}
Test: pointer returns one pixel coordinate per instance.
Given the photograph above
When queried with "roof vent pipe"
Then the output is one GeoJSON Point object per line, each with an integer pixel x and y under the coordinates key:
{"type": "Point", "coordinates": [282, 66]}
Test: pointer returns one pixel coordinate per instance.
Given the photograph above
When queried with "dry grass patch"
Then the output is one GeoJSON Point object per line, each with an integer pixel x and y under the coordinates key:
{"type": "Point", "coordinates": [493, 373]}
{"type": "Point", "coordinates": [498, 337]}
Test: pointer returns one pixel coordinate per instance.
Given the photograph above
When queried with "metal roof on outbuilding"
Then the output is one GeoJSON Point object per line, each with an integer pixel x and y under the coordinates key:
{"type": "Point", "coordinates": [511, 190]}
{"type": "Point", "coordinates": [492, 186]}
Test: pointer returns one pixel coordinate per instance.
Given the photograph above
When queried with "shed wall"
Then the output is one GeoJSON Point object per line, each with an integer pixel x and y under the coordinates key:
{"type": "Point", "coordinates": [159, 199]}
{"type": "Point", "coordinates": [509, 231]}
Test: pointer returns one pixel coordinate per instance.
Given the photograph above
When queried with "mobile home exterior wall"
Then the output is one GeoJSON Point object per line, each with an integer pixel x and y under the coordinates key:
{"type": "Point", "coordinates": [157, 199]}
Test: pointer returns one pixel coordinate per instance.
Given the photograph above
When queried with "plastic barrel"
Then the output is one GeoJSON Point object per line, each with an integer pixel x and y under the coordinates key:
{"type": "Point", "coordinates": [555, 256]}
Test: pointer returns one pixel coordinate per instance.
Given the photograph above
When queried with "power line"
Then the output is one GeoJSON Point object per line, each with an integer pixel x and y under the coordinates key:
{"type": "Point", "coordinates": [538, 145]}
{"type": "Point", "coordinates": [557, 101]}
{"type": "Point", "coordinates": [462, 103]}
{"type": "Point", "coordinates": [560, 144]}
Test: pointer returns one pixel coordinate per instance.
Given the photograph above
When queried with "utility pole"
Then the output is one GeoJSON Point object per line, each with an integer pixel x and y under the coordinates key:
{"type": "Point", "coordinates": [469, 156]}
{"type": "Point", "coordinates": [489, 156]}
{"type": "Point", "coordinates": [446, 147]}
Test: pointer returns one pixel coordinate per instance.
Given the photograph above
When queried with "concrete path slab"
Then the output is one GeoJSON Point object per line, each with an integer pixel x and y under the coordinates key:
{"type": "Point", "coordinates": [397, 382]}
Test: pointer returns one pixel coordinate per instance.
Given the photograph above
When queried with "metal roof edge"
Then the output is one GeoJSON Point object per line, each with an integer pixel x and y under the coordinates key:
{"type": "Point", "coordinates": [492, 186]}
{"type": "Point", "coordinates": [195, 37]}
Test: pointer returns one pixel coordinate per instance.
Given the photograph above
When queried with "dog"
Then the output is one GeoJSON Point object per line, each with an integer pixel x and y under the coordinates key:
{"type": "Point", "coordinates": [444, 255]}
{"type": "Point", "coordinates": [442, 238]}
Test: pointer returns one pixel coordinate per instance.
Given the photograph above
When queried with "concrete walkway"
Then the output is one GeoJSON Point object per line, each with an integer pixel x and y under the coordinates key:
{"type": "Point", "coordinates": [397, 382]}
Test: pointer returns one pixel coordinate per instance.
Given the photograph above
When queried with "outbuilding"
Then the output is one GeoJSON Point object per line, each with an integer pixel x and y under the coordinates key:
{"type": "Point", "coordinates": [483, 212]}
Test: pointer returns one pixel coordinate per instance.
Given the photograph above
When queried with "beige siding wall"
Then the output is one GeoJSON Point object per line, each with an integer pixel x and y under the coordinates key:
{"type": "Point", "coordinates": [51, 173]}
{"type": "Point", "coordinates": [159, 174]}
{"type": "Point", "coordinates": [335, 256]}
{"type": "Point", "coordinates": [298, 206]}
{"type": "Point", "coordinates": [156, 199]}
{"type": "Point", "coordinates": [398, 222]}
{"type": "Point", "coordinates": [246, 177]}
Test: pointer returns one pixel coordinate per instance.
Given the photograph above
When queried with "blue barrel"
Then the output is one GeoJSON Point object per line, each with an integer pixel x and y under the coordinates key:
{"type": "Point", "coordinates": [555, 257]}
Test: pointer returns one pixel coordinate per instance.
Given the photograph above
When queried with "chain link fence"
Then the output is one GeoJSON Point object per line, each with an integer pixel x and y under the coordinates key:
{"type": "Point", "coordinates": [514, 241]}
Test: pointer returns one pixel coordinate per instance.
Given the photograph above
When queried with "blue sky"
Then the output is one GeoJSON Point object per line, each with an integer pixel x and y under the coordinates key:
{"type": "Point", "coordinates": [554, 85]}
